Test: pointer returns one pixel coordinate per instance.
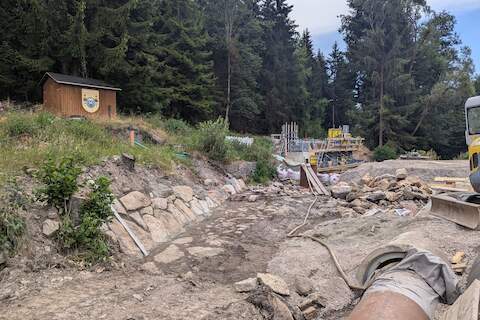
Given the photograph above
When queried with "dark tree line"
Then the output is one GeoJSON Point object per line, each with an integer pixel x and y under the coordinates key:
{"type": "Point", "coordinates": [402, 80]}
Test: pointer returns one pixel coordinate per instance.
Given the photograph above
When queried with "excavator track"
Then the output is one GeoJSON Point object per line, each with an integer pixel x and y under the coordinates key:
{"type": "Point", "coordinates": [458, 208]}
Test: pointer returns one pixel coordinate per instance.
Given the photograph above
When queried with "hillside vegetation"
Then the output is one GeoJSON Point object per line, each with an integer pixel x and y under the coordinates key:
{"type": "Point", "coordinates": [28, 139]}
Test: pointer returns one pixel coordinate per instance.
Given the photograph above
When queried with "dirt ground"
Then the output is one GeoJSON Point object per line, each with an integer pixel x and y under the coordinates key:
{"type": "Point", "coordinates": [192, 277]}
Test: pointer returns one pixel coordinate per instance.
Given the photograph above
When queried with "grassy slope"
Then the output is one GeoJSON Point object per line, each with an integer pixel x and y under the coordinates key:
{"type": "Point", "coordinates": [26, 140]}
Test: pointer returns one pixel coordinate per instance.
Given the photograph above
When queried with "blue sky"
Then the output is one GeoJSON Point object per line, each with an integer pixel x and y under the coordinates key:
{"type": "Point", "coordinates": [321, 18]}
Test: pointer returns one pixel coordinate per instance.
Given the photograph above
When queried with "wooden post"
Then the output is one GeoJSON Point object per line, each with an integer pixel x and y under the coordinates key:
{"type": "Point", "coordinates": [132, 137]}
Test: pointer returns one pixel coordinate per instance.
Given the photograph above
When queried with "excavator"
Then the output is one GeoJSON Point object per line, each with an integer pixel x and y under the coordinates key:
{"type": "Point", "coordinates": [464, 208]}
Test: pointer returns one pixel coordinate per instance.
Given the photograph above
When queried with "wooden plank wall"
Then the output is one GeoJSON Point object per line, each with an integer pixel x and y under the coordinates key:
{"type": "Point", "coordinates": [66, 101]}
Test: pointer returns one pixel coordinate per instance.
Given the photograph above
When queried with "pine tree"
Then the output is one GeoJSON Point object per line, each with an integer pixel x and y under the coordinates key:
{"type": "Point", "coordinates": [477, 85]}
{"type": "Point", "coordinates": [279, 82]}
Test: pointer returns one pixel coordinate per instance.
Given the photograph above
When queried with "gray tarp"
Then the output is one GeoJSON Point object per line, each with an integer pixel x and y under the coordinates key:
{"type": "Point", "coordinates": [422, 277]}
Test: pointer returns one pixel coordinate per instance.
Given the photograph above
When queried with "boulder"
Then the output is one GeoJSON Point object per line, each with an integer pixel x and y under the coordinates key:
{"type": "Point", "coordinates": [341, 190]}
{"type": "Point", "coordinates": [277, 284]}
{"type": "Point", "coordinates": [241, 169]}
{"type": "Point", "coordinates": [160, 203]}
{"type": "Point", "coordinates": [401, 174]}
{"type": "Point", "coordinates": [236, 185]}
{"type": "Point", "coordinates": [210, 203]}
{"type": "Point", "coordinates": [169, 255]}
{"type": "Point", "coordinates": [366, 180]}
{"type": "Point", "coordinates": [246, 285]}
{"type": "Point", "coordinates": [174, 226]}
{"type": "Point", "coordinates": [186, 210]}
{"type": "Point", "coordinates": [184, 192]}
{"type": "Point", "coordinates": [50, 227]}
{"type": "Point", "coordinates": [179, 216]}
{"type": "Point", "coordinates": [151, 267]}
{"type": "Point", "coordinates": [351, 196]}
{"type": "Point", "coordinates": [204, 205]}
{"type": "Point", "coordinates": [127, 246]}
{"type": "Point", "coordinates": [162, 191]}
{"type": "Point", "coordinates": [135, 200]}
{"type": "Point", "coordinates": [158, 231]}
{"type": "Point", "coordinates": [253, 198]}
{"type": "Point", "coordinates": [393, 196]}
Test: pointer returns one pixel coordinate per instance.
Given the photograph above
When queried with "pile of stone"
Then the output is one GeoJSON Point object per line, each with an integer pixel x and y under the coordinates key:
{"type": "Point", "coordinates": [275, 189]}
{"type": "Point", "coordinates": [401, 193]}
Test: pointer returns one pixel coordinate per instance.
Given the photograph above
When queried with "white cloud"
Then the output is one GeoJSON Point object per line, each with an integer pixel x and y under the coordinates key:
{"type": "Point", "coordinates": [321, 16]}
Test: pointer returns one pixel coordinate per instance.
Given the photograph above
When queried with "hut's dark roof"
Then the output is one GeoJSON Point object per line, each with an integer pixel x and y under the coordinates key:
{"type": "Point", "coordinates": [77, 81]}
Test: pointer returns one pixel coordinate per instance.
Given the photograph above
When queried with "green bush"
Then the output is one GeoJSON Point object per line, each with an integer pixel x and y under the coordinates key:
{"type": "Point", "coordinates": [59, 179]}
{"type": "Point", "coordinates": [210, 139]}
{"type": "Point", "coordinates": [384, 153]}
{"type": "Point", "coordinates": [264, 172]}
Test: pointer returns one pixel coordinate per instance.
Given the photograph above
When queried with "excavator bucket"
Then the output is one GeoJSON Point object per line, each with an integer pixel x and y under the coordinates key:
{"type": "Point", "coordinates": [463, 213]}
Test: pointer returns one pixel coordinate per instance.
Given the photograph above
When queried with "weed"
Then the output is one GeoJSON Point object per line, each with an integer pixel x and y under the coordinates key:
{"type": "Point", "coordinates": [264, 172]}
{"type": "Point", "coordinates": [176, 126]}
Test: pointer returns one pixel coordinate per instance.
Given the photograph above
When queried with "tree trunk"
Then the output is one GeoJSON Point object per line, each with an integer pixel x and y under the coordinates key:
{"type": "Point", "coordinates": [381, 107]}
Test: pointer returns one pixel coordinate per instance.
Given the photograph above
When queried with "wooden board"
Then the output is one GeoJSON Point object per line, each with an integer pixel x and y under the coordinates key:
{"type": "Point", "coordinates": [445, 187]}
{"type": "Point", "coordinates": [450, 179]}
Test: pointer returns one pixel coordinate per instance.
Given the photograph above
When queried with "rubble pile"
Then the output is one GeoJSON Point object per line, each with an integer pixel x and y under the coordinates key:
{"type": "Point", "coordinates": [276, 189]}
{"type": "Point", "coordinates": [401, 194]}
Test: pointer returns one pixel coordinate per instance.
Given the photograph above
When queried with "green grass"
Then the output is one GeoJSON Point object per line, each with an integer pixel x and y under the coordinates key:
{"type": "Point", "coordinates": [26, 140]}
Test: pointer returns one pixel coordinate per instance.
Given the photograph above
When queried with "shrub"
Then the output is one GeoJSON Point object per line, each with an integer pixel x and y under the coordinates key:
{"type": "Point", "coordinates": [384, 153]}
{"type": "Point", "coordinates": [210, 139]}
{"type": "Point", "coordinates": [59, 182]}
{"type": "Point", "coordinates": [264, 172]}
{"type": "Point", "coordinates": [176, 126]}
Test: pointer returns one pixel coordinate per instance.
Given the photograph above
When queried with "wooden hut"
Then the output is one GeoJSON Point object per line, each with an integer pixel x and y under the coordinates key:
{"type": "Point", "coordinates": [70, 96]}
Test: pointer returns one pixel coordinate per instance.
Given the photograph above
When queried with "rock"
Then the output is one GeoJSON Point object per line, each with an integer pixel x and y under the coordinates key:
{"type": "Point", "coordinates": [135, 200]}
{"type": "Point", "coordinates": [210, 203]}
{"type": "Point", "coordinates": [50, 227]}
{"type": "Point", "coordinates": [341, 190]}
{"type": "Point", "coordinates": [351, 196]}
{"type": "Point", "coordinates": [236, 185]}
{"type": "Point", "coordinates": [335, 294]}
{"type": "Point", "coordinates": [119, 207]}
{"type": "Point", "coordinates": [242, 184]}
{"type": "Point", "coordinates": [271, 306]}
{"type": "Point", "coordinates": [52, 214]}
{"type": "Point", "coordinates": [228, 188]}
{"type": "Point", "coordinates": [393, 196]}
{"type": "Point", "coordinates": [147, 210]}
{"type": "Point", "coordinates": [409, 194]}
{"type": "Point", "coordinates": [173, 225]}
{"type": "Point", "coordinates": [127, 246]}
{"type": "Point", "coordinates": [160, 203]}
{"type": "Point", "coordinates": [253, 198]}
{"type": "Point", "coordinates": [204, 205]}
{"type": "Point", "coordinates": [241, 169]}
{"type": "Point", "coordinates": [303, 286]}
{"type": "Point", "coordinates": [3, 258]}
{"type": "Point", "coordinates": [185, 240]}
{"type": "Point", "coordinates": [277, 284]}
{"type": "Point", "coordinates": [366, 180]}
{"type": "Point", "coordinates": [458, 257]}
{"type": "Point", "coordinates": [376, 196]}
{"type": "Point", "coordinates": [186, 210]}
{"type": "Point", "coordinates": [204, 252]}
{"type": "Point", "coordinates": [401, 174]}
{"type": "Point", "coordinates": [179, 216]}
{"type": "Point", "coordinates": [184, 192]}
{"type": "Point", "coordinates": [246, 285]}
{"type": "Point", "coordinates": [151, 268]}
{"type": "Point", "coordinates": [169, 255]}
{"type": "Point", "coordinates": [137, 217]}
{"type": "Point", "coordinates": [196, 207]}
{"type": "Point", "coordinates": [158, 231]}
{"type": "Point", "coordinates": [162, 191]}
{"type": "Point", "coordinates": [383, 184]}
